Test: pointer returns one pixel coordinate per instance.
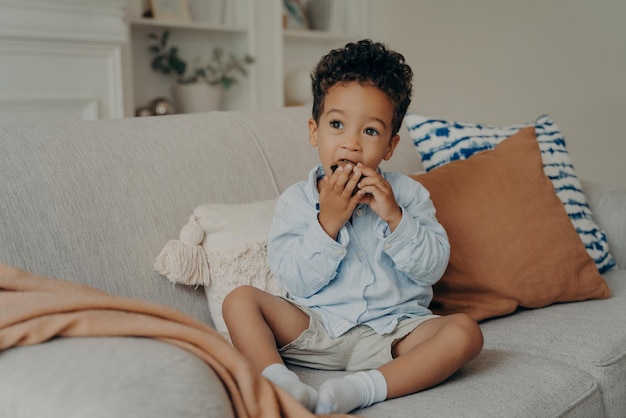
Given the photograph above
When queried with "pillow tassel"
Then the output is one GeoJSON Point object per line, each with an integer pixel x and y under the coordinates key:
{"type": "Point", "coordinates": [184, 261]}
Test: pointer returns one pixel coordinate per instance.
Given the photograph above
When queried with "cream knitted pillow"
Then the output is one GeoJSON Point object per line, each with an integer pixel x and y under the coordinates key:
{"type": "Point", "coordinates": [221, 247]}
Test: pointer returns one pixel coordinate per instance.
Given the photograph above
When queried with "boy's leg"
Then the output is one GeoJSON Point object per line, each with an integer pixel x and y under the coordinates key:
{"type": "Point", "coordinates": [427, 356]}
{"type": "Point", "coordinates": [432, 353]}
{"type": "Point", "coordinates": [259, 323]}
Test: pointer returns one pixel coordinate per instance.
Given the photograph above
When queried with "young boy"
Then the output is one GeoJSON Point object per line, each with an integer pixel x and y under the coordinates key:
{"type": "Point", "coordinates": [358, 251]}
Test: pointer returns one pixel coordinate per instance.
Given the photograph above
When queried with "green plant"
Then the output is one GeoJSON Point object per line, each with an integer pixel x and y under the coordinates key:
{"type": "Point", "coordinates": [219, 69]}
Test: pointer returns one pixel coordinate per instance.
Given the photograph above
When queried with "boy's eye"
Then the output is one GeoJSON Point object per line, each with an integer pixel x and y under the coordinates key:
{"type": "Point", "coordinates": [371, 132]}
{"type": "Point", "coordinates": [336, 124]}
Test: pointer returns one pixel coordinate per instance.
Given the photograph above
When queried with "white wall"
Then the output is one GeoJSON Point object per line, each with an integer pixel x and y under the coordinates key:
{"type": "Point", "coordinates": [509, 61]}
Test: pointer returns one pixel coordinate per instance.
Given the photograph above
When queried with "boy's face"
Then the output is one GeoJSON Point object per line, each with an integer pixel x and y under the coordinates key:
{"type": "Point", "coordinates": [355, 125]}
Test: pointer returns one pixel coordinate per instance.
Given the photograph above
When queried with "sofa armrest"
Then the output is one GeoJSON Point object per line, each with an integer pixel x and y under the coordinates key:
{"type": "Point", "coordinates": [608, 204]}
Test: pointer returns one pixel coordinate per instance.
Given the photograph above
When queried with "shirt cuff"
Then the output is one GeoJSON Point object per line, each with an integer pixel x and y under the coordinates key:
{"type": "Point", "coordinates": [324, 244]}
{"type": "Point", "coordinates": [403, 235]}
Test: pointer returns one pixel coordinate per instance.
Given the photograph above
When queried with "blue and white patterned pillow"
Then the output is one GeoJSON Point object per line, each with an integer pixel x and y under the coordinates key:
{"type": "Point", "coordinates": [441, 141]}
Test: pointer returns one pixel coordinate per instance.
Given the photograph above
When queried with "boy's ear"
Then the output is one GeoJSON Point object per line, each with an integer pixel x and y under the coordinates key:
{"type": "Point", "coordinates": [312, 132]}
{"type": "Point", "coordinates": [393, 143]}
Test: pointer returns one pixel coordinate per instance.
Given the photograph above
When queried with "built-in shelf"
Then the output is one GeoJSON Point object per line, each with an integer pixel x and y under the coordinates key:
{"type": "Point", "coordinates": [316, 35]}
{"type": "Point", "coordinates": [201, 26]}
{"type": "Point", "coordinates": [254, 27]}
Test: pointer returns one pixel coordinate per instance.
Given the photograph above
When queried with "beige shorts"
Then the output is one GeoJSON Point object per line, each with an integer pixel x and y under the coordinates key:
{"type": "Point", "coordinates": [361, 348]}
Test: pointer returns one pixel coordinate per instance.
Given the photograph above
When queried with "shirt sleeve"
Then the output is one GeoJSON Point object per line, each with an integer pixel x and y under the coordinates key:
{"type": "Point", "coordinates": [419, 246]}
{"type": "Point", "coordinates": [301, 255]}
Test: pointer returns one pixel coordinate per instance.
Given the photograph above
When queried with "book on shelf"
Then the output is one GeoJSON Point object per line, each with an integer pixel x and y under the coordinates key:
{"type": "Point", "coordinates": [218, 12]}
{"type": "Point", "coordinates": [327, 15]}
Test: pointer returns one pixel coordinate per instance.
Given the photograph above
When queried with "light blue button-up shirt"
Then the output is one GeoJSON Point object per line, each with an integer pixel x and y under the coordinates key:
{"type": "Point", "coordinates": [368, 275]}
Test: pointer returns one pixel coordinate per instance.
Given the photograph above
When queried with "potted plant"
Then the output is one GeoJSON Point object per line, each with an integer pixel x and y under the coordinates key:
{"type": "Point", "coordinates": [198, 87]}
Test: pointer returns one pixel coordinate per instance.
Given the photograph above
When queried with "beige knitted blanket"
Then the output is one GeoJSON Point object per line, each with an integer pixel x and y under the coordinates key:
{"type": "Point", "coordinates": [34, 309]}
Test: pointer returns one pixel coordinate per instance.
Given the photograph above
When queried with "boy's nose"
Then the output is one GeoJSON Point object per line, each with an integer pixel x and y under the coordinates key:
{"type": "Point", "coordinates": [351, 141]}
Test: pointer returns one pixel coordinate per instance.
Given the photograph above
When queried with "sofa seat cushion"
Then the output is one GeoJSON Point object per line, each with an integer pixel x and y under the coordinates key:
{"type": "Point", "coordinates": [589, 335]}
{"type": "Point", "coordinates": [497, 383]}
{"type": "Point", "coordinates": [108, 378]}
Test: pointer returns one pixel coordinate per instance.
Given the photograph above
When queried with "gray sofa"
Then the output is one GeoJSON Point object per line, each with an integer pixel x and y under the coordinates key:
{"type": "Point", "coordinates": [95, 202]}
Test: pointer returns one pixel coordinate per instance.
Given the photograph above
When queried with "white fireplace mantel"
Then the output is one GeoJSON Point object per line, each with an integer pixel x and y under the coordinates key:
{"type": "Point", "coordinates": [59, 52]}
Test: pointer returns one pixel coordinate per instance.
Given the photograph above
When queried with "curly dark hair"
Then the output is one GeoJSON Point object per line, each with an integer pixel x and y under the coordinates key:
{"type": "Point", "coordinates": [368, 63]}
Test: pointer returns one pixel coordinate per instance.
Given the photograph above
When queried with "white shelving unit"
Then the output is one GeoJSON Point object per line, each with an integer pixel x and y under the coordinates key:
{"type": "Point", "coordinates": [252, 27]}
{"type": "Point", "coordinates": [200, 26]}
{"type": "Point", "coordinates": [195, 40]}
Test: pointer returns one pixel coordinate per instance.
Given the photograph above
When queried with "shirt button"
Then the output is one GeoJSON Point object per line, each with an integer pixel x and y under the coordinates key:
{"type": "Point", "coordinates": [387, 246]}
{"type": "Point", "coordinates": [359, 212]}
{"type": "Point", "coordinates": [360, 255]}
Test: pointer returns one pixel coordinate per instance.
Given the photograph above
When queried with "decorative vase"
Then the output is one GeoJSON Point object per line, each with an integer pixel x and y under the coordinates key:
{"type": "Point", "coordinates": [197, 97]}
{"type": "Point", "coordinates": [298, 87]}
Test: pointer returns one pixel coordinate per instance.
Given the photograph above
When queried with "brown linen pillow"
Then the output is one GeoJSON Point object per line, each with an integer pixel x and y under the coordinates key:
{"type": "Point", "coordinates": [512, 243]}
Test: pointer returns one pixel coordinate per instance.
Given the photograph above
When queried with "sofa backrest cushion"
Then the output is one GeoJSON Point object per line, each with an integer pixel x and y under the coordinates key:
{"type": "Point", "coordinates": [94, 201]}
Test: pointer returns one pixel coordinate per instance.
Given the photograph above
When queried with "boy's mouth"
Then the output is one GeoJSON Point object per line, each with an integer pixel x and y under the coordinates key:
{"type": "Point", "coordinates": [341, 163]}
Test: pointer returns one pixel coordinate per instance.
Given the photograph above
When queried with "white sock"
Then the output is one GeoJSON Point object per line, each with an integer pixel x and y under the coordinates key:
{"type": "Point", "coordinates": [290, 382]}
{"type": "Point", "coordinates": [354, 391]}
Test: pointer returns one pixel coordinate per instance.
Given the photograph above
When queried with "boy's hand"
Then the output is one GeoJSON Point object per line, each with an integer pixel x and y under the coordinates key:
{"type": "Point", "coordinates": [337, 200]}
{"type": "Point", "coordinates": [375, 191]}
